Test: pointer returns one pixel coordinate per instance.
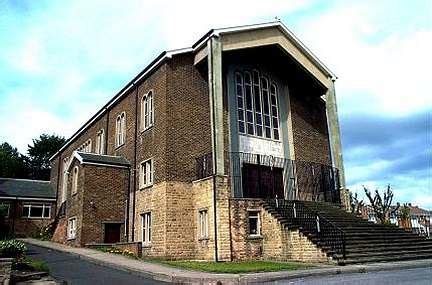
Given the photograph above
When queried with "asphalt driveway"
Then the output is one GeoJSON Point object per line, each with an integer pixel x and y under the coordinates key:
{"type": "Point", "coordinates": [73, 270]}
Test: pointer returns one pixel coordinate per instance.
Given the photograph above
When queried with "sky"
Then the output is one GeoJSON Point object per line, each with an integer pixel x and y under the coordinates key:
{"type": "Point", "coordinates": [60, 61]}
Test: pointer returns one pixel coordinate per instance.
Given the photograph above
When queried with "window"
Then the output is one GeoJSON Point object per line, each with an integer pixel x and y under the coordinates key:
{"type": "Point", "coordinates": [71, 228]}
{"type": "Point", "coordinates": [257, 105]}
{"type": "Point", "coordinates": [147, 111]}
{"type": "Point", "coordinates": [100, 142]}
{"type": "Point", "coordinates": [36, 211]}
{"type": "Point", "coordinates": [63, 195]}
{"type": "Point", "coordinates": [203, 223]}
{"type": "Point", "coordinates": [121, 129]}
{"type": "Point", "coordinates": [85, 147]}
{"type": "Point", "coordinates": [146, 224]}
{"type": "Point", "coordinates": [75, 173]}
{"type": "Point", "coordinates": [146, 173]}
{"type": "Point", "coordinates": [6, 208]}
{"type": "Point", "coordinates": [254, 223]}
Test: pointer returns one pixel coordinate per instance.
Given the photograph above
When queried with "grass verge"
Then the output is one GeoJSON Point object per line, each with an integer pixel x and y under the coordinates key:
{"type": "Point", "coordinates": [237, 267]}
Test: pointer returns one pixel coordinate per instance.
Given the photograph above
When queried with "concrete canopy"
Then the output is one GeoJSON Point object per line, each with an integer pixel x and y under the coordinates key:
{"type": "Point", "coordinates": [274, 33]}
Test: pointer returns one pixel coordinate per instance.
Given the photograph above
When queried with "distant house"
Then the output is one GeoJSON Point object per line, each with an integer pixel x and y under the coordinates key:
{"type": "Point", "coordinates": [30, 205]}
{"type": "Point", "coordinates": [419, 222]}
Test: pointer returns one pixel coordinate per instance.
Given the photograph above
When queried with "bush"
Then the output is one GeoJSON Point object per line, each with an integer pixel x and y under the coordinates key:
{"type": "Point", "coordinates": [12, 248]}
{"type": "Point", "coordinates": [30, 265]}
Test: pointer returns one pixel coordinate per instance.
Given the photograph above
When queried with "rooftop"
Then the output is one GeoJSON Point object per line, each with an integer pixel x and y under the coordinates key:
{"type": "Point", "coordinates": [10, 187]}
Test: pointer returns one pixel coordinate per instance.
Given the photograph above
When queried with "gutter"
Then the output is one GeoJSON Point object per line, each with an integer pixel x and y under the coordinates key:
{"type": "Point", "coordinates": [134, 165]}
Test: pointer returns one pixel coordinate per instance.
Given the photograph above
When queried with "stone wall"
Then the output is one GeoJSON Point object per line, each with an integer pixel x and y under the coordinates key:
{"type": "Point", "coordinates": [275, 243]}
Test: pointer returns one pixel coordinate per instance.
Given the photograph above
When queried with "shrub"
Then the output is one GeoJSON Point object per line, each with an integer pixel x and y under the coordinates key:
{"type": "Point", "coordinates": [12, 248]}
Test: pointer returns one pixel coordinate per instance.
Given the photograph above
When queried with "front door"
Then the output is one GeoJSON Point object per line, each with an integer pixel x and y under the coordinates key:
{"type": "Point", "coordinates": [260, 181]}
{"type": "Point", "coordinates": [112, 233]}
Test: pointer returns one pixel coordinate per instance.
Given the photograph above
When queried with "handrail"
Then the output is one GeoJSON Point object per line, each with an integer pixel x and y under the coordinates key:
{"type": "Point", "coordinates": [311, 221]}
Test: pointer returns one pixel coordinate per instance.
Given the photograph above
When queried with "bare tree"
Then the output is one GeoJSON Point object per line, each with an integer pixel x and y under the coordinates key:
{"type": "Point", "coordinates": [356, 205]}
{"type": "Point", "coordinates": [382, 204]}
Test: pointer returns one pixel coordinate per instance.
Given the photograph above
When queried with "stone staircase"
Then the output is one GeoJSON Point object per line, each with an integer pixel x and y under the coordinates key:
{"type": "Point", "coordinates": [347, 238]}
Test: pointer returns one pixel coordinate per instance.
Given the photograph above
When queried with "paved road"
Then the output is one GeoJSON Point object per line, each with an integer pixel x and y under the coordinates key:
{"type": "Point", "coordinates": [417, 276]}
{"type": "Point", "coordinates": [73, 270]}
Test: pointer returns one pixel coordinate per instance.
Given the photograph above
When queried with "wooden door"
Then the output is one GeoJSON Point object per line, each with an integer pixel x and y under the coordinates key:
{"type": "Point", "coordinates": [112, 233]}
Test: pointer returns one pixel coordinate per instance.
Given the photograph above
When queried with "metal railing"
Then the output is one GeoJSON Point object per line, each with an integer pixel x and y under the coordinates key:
{"type": "Point", "coordinates": [311, 223]}
{"type": "Point", "coordinates": [264, 176]}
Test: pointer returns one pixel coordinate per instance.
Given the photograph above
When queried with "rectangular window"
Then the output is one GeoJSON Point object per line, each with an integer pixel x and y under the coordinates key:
{"type": "Point", "coordinates": [6, 208]}
{"type": "Point", "coordinates": [146, 173]}
{"type": "Point", "coordinates": [36, 211]}
{"type": "Point", "coordinates": [203, 223]}
{"type": "Point", "coordinates": [146, 224]}
{"type": "Point", "coordinates": [254, 223]}
{"type": "Point", "coordinates": [71, 228]}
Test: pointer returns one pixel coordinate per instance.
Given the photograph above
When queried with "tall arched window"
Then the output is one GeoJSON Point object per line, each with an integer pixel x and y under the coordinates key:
{"type": "Point", "coordinates": [147, 111]}
{"type": "Point", "coordinates": [75, 173]}
{"type": "Point", "coordinates": [100, 142]}
{"type": "Point", "coordinates": [257, 105]}
{"type": "Point", "coordinates": [64, 181]}
{"type": "Point", "coordinates": [121, 129]}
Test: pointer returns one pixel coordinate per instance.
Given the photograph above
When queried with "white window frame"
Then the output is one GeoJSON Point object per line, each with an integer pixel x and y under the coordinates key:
{"type": "Point", "coordinates": [75, 176]}
{"type": "Point", "coordinates": [121, 129]}
{"type": "Point", "coordinates": [42, 206]}
{"type": "Point", "coordinates": [100, 142]}
{"type": "Point", "coordinates": [146, 226]}
{"type": "Point", "coordinates": [203, 229]}
{"type": "Point", "coordinates": [71, 228]}
{"type": "Point", "coordinates": [8, 208]}
{"type": "Point", "coordinates": [147, 111]}
{"type": "Point", "coordinates": [256, 215]}
{"type": "Point", "coordinates": [146, 173]}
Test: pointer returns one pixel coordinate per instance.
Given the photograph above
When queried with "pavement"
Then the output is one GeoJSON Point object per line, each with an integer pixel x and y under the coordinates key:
{"type": "Point", "coordinates": [158, 272]}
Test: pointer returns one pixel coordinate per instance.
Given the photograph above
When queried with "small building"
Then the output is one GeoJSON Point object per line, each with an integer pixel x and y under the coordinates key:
{"type": "Point", "coordinates": [30, 205]}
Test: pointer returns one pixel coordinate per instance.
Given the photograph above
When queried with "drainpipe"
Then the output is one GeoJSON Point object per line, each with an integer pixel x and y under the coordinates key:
{"type": "Point", "coordinates": [134, 164]}
{"type": "Point", "coordinates": [106, 131]}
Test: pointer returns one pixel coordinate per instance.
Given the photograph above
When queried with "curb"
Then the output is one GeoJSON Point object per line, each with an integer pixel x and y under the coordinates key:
{"type": "Point", "coordinates": [246, 278]}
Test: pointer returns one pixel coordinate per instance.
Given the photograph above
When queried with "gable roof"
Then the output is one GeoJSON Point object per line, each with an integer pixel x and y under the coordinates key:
{"type": "Point", "coordinates": [161, 58]}
{"type": "Point", "coordinates": [100, 159]}
{"type": "Point", "coordinates": [24, 188]}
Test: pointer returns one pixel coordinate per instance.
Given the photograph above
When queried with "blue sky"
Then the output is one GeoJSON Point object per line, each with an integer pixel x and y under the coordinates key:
{"type": "Point", "coordinates": [62, 60]}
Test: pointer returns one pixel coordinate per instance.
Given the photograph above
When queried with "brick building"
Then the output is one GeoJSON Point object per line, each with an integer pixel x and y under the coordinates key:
{"type": "Point", "coordinates": [183, 158]}
{"type": "Point", "coordinates": [29, 205]}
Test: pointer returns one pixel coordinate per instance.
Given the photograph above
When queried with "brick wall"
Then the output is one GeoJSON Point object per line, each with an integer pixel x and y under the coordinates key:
{"type": "Point", "coordinates": [104, 201]}
{"type": "Point", "coordinates": [309, 121]}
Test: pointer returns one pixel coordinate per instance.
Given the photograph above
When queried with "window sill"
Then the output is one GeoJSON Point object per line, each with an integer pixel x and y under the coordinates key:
{"type": "Point", "coordinates": [262, 138]}
{"type": "Point", "coordinates": [70, 239]}
{"type": "Point", "coordinates": [145, 187]}
{"type": "Point", "coordinates": [204, 239]}
{"type": "Point", "coordinates": [147, 245]}
{"type": "Point", "coordinates": [119, 146]}
{"type": "Point", "coordinates": [255, 237]}
{"type": "Point", "coordinates": [146, 129]}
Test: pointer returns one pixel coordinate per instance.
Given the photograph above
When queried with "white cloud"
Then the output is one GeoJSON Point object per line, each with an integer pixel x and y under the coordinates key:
{"type": "Point", "coordinates": [388, 69]}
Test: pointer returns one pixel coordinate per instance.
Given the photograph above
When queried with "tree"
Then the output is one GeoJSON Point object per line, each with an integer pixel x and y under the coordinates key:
{"type": "Point", "coordinates": [356, 205]}
{"type": "Point", "coordinates": [40, 152]}
{"type": "Point", "coordinates": [382, 205]}
{"type": "Point", "coordinates": [12, 163]}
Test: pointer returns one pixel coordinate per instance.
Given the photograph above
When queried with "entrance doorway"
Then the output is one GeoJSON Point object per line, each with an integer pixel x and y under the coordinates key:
{"type": "Point", "coordinates": [112, 232]}
{"type": "Point", "coordinates": [260, 181]}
